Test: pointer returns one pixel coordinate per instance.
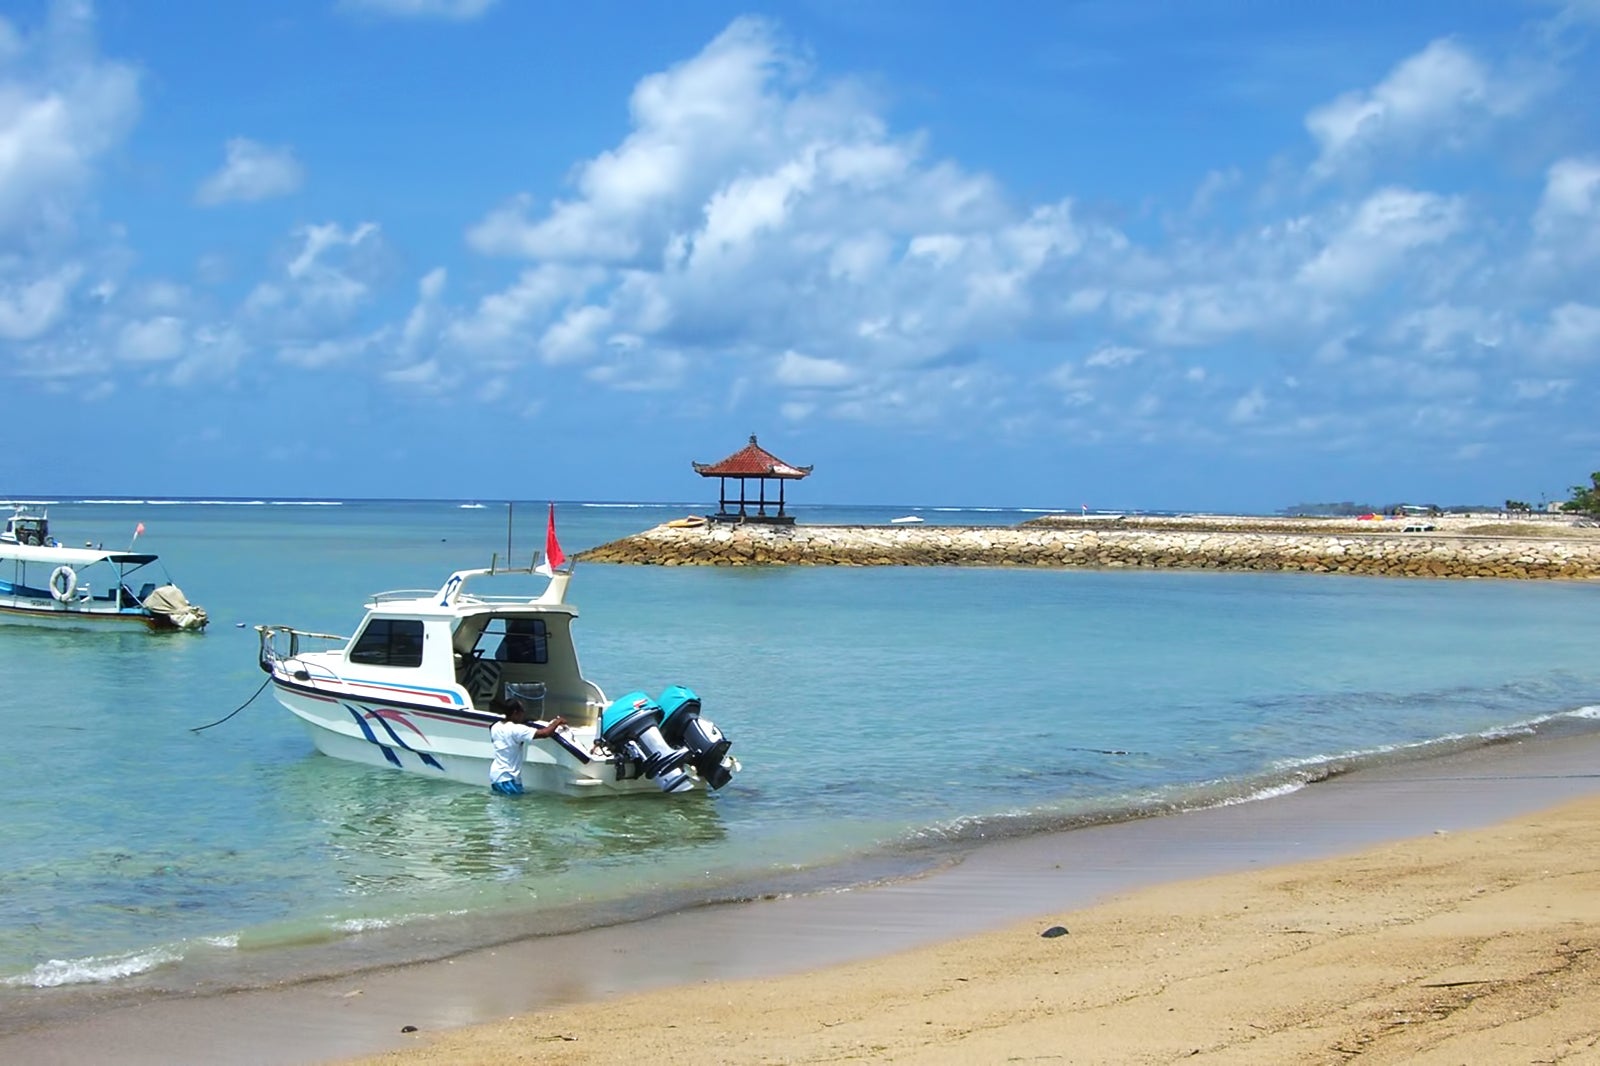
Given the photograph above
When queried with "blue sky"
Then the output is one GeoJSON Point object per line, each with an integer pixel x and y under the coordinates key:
{"type": "Point", "coordinates": [1211, 254]}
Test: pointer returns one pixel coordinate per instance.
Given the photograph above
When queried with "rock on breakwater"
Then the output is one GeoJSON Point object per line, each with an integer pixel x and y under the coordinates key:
{"type": "Point", "coordinates": [1114, 545]}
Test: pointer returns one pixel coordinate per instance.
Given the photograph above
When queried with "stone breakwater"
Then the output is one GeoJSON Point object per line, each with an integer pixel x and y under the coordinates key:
{"type": "Point", "coordinates": [1113, 546]}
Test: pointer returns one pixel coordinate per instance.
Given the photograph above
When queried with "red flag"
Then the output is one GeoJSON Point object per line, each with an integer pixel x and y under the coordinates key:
{"type": "Point", "coordinates": [136, 531]}
{"type": "Point", "coordinates": [553, 557]}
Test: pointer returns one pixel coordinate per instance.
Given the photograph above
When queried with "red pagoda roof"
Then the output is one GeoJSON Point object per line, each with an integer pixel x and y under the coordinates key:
{"type": "Point", "coordinates": [751, 461]}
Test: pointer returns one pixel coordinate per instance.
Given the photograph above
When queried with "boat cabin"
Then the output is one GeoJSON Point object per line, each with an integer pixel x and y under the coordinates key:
{"type": "Point", "coordinates": [25, 528]}
{"type": "Point", "coordinates": [490, 648]}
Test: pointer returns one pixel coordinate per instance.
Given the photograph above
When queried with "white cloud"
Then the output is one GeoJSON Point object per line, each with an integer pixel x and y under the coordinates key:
{"type": "Point", "coordinates": [1076, 389]}
{"type": "Point", "coordinates": [642, 371]}
{"type": "Point", "coordinates": [213, 353]}
{"type": "Point", "coordinates": [1566, 225]}
{"type": "Point", "coordinates": [799, 371]}
{"type": "Point", "coordinates": [507, 322]}
{"type": "Point", "coordinates": [751, 201]}
{"type": "Point", "coordinates": [576, 335]}
{"type": "Point", "coordinates": [323, 284]}
{"type": "Point", "coordinates": [1249, 407]}
{"type": "Point", "coordinates": [1113, 355]}
{"type": "Point", "coordinates": [1446, 329]}
{"type": "Point", "coordinates": [1380, 236]}
{"type": "Point", "coordinates": [688, 123]}
{"type": "Point", "coordinates": [1437, 96]}
{"type": "Point", "coordinates": [1545, 389]}
{"type": "Point", "coordinates": [1212, 187]}
{"type": "Point", "coordinates": [455, 10]}
{"type": "Point", "coordinates": [1573, 333]}
{"type": "Point", "coordinates": [32, 308]}
{"type": "Point", "coordinates": [58, 117]}
{"type": "Point", "coordinates": [153, 340]}
{"type": "Point", "coordinates": [424, 322]}
{"type": "Point", "coordinates": [427, 376]}
{"type": "Point", "coordinates": [325, 352]}
{"type": "Point", "coordinates": [251, 171]}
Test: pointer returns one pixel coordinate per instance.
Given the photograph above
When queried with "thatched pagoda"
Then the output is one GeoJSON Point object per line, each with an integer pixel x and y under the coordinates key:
{"type": "Point", "coordinates": [751, 461]}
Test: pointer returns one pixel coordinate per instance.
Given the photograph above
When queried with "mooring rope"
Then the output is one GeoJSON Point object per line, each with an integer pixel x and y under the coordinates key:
{"type": "Point", "coordinates": [237, 709]}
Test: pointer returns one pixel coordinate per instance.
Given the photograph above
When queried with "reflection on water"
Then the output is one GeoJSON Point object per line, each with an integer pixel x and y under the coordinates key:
{"type": "Point", "coordinates": [387, 832]}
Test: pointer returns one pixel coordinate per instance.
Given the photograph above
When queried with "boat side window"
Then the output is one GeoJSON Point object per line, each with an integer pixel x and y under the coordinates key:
{"type": "Point", "coordinates": [524, 642]}
{"type": "Point", "coordinates": [389, 642]}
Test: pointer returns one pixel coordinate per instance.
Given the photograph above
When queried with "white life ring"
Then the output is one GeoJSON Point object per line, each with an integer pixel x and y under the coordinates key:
{"type": "Point", "coordinates": [63, 583]}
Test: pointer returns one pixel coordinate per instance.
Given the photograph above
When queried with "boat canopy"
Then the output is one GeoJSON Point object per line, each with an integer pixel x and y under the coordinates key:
{"type": "Point", "coordinates": [73, 557]}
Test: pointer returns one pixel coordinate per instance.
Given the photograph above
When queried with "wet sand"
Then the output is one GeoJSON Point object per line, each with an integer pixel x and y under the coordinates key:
{"type": "Point", "coordinates": [1228, 935]}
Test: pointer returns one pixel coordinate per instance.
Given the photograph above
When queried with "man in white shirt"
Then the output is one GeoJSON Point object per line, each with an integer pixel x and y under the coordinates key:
{"type": "Point", "coordinates": [510, 739]}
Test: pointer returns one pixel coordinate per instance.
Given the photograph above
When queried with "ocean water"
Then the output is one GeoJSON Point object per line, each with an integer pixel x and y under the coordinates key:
{"type": "Point", "coordinates": [884, 718]}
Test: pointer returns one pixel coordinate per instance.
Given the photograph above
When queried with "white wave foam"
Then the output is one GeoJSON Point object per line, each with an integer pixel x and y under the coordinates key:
{"type": "Point", "coordinates": [306, 503]}
{"type": "Point", "coordinates": [95, 969]}
{"type": "Point", "coordinates": [1265, 793]}
{"type": "Point", "coordinates": [1592, 711]}
{"type": "Point", "coordinates": [176, 503]}
{"type": "Point", "coordinates": [364, 925]}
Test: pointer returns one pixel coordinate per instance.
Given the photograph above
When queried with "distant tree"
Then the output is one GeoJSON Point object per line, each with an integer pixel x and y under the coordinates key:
{"type": "Point", "coordinates": [1585, 498]}
{"type": "Point", "coordinates": [1517, 505]}
{"type": "Point", "coordinates": [1345, 507]}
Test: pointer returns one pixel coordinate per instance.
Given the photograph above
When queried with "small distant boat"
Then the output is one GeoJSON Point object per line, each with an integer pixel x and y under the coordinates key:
{"type": "Point", "coordinates": [694, 521]}
{"type": "Point", "coordinates": [906, 519]}
{"type": "Point", "coordinates": [415, 689]}
{"type": "Point", "coordinates": [472, 506]}
{"type": "Point", "coordinates": [84, 586]}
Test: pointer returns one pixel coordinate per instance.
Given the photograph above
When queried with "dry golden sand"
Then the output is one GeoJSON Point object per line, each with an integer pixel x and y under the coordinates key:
{"type": "Point", "coordinates": [1477, 947]}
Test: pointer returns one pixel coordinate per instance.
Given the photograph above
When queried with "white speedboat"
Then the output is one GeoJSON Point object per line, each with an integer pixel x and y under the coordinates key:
{"type": "Point", "coordinates": [414, 687]}
{"type": "Point", "coordinates": [45, 583]}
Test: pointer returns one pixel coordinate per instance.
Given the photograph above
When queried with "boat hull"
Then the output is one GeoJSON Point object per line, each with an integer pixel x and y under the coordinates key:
{"type": "Point", "coordinates": [449, 743]}
{"type": "Point", "coordinates": [52, 615]}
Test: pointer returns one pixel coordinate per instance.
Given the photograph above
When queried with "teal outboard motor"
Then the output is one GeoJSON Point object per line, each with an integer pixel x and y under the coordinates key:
{"type": "Point", "coordinates": [631, 726]}
{"type": "Point", "coordinates": [682, 727]}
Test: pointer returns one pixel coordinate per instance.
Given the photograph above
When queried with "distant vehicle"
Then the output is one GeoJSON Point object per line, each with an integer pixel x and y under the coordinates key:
{"type": "Point", "coordinates": [1419, 527]}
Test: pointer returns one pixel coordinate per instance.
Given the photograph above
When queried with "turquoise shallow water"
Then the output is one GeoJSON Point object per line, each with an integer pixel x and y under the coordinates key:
{"type": "Point", "coordinates": [882, 716]}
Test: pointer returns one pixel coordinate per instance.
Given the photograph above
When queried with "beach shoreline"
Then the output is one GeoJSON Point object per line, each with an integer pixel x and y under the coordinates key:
{"type": "Point", "coordinates": [998, 885]}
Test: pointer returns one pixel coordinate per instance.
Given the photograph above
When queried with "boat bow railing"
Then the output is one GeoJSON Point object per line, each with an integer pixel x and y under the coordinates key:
{"type": "Point", "coordinates": [400, 594]}
{"type": "Point", "coordinates": [273, 652]}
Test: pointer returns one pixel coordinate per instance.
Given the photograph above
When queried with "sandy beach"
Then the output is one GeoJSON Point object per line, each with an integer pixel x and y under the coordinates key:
{"type": "Point", "coordinates": [1440, 911]}
{"type": "Point", "coordinates": [1480, 947]}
